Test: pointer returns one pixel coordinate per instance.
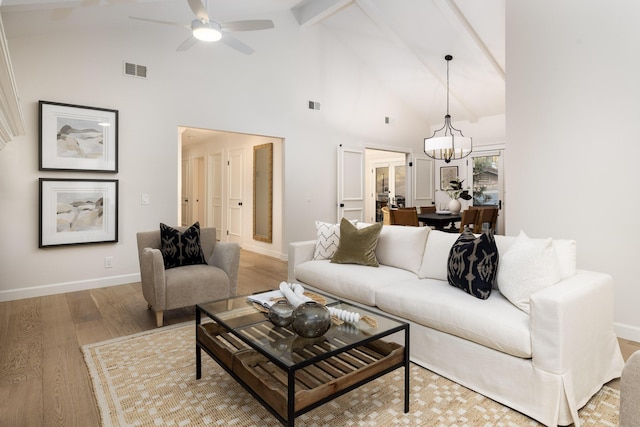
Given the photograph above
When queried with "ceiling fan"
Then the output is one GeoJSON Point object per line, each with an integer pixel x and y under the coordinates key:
{"type": "Point", "coordinates": [204, 29]}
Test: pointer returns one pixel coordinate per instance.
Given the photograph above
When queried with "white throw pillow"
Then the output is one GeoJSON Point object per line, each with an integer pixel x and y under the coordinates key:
{"type": "Point", "coordinates": [327, 239]}
{"type": "Point", "coordinates": [402, 247]}
{"type": "Point", "coordinates": [528, 266]}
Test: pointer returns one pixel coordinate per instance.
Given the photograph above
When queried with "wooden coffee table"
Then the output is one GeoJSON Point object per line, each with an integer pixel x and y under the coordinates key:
{"type": "Point", "coordinates": [291, 375]}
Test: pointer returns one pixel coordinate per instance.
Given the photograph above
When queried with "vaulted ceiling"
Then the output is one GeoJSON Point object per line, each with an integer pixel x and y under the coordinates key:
{"type": "Point", "coordinates": [402, 42]}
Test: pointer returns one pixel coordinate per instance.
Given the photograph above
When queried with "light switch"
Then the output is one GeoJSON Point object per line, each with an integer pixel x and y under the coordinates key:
{"type": "Point", "coordinates": [144, 199]}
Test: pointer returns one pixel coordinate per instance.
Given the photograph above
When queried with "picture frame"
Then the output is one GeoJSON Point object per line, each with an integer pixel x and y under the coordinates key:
{"type": "Point", "coordinates": [78, 211]}
{"type": "Point", "coordinates": [447, 174]}
{"type": "Point", "coordinates": [77, 138]}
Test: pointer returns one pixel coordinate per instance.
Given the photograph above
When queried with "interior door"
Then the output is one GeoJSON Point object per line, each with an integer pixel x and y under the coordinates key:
{"type": "Point", "coordinates": [235, 196]}
{"type": "Point", "coordinates": [185, 213]}
{"type": "Point", "coordinates": [350, 183]}
{"type": "Point", "coordinates": [198, 192]}
{"type": "Point", "coordinates": [215, 193]}
{"type": "Point", "coordinates": [423, 181]}
{"type": "Point", "coordinates": [486, 172]}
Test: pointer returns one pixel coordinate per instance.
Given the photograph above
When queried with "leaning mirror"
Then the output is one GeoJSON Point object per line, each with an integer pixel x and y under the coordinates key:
{"type": "Point", "coordinates": [262, 192]}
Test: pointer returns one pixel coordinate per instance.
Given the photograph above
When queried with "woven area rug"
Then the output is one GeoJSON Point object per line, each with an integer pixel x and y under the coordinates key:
{"type": "Point", "coordinates": [148, 379]}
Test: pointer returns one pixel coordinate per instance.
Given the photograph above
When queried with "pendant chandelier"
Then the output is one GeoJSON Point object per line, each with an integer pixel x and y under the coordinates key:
{"type": "Point", "coordinates": [447, 143]}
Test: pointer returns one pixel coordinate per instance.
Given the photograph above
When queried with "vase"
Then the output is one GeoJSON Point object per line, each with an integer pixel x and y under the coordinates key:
{"type": "Point", "coordinates": [281, 313]}
{"type": "Point", "coordinates": [311, 319]}
{"type": "Point", "coordinates": [455, 206]}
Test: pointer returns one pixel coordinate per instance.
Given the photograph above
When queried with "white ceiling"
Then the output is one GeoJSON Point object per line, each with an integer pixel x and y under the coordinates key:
{"type": "Point", "coordinates": [403, 42]}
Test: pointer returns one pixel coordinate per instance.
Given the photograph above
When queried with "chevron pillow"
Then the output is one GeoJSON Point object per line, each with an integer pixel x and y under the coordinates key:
{"type": "Point", "coordinates": [327, 240]}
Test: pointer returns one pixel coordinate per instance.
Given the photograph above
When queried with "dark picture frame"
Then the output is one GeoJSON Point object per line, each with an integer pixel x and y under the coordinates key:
{"type": "Point", "coordinates": [78, 211]}
{"type": "Point", "coordinates": [447, 174]}
{"type": "Point", "coordinates": [77, 138]}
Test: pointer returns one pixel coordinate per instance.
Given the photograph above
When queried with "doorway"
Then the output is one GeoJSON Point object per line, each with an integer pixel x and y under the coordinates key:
{"type": "Point", "coordinates": [370, 178]}
{"type": "Point", "coordinates": [216, 182]}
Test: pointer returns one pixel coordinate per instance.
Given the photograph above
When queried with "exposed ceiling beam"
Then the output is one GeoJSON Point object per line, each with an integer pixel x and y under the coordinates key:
{"type": "Point", "coordinates": [310, 12]}
{"type": "Point", "coordinates": [457, 19]}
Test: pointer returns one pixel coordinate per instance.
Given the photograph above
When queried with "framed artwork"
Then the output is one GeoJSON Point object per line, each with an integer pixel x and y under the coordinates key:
{"type": "Point", "coordinates": [447, 174]}
{"type": "Point", "coordinates": [78, 138]}
{"type": "Point", "coordinates": [78, 211]}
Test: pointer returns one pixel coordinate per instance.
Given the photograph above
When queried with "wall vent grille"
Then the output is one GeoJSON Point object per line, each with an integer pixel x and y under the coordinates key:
{"type": "Point", "coordinates": [135, 70]}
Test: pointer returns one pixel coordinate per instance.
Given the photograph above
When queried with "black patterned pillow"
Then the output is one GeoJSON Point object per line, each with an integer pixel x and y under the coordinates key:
{"type": "Point", "coordinates": [181, 248]}
{"type": "Point", "coordinates": [473, 263]}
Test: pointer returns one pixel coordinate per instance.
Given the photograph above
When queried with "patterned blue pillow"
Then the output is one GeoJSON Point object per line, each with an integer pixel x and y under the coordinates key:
{"type": "Point", "coordinates": [473, 263]}
{"type": "Point", "coordinates": [180, 249]}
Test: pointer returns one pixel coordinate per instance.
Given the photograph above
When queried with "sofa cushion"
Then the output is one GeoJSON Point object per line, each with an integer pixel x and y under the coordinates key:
{"type": "Point", "coordinates": [528, 266]}
{"type": "Point", "coordinates": [354, 282]}
{"type": "Point", "coordinates": [357, 246]}
{"type": "Point", "coordinates": [494, 322]}
{"type": "Point", "coordinates": [436, 255]}
{"type": "Point", "coordinates": [402, 247]}
{"type": "Point", "coordinates": [565, 252]}
{"type": "Point", "coordinates": [473, 263]}
{"type": "Point", "coordinates": [181, 248]}
{"type": "Point", "coordinates": [327, 239]}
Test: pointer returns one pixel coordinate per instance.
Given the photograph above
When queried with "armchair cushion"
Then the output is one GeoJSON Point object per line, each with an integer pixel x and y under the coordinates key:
{"type": "Point", "coordinates": [181, 248]}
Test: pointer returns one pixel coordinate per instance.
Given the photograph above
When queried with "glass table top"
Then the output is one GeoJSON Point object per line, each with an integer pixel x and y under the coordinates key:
{"type": "Point", "coordinates": [244, 320]}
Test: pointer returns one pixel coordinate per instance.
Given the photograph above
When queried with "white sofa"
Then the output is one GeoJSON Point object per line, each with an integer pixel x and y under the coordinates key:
{"type": "Point", "coordinates": [546, 364]}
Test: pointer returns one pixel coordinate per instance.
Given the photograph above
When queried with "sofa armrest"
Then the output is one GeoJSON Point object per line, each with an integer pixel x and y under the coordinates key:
{"type": "Point", "coordinates": [572, 325]}
{"type": "Point", "coordinates": [299, 252]}
{"type": "Point", "coordinates": [226, 256]}
{"type": "Point", "coordinates": [152, 278]}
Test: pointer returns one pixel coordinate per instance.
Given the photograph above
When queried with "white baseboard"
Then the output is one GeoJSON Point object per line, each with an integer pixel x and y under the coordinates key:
{"type": "Point", "coordinates": [264, 251]}
{"type": "Point", "coordinates": [627, 332]}
{"type": "Point", "coordinates": [61, 288]}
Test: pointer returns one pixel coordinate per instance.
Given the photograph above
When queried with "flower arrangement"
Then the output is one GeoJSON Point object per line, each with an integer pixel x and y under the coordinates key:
{"type": "Point", "coordinates": [455, 190]}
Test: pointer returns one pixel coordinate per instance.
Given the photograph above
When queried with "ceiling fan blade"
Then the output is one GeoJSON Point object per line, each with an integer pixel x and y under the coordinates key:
{"type": "Point", "coordinates": [251, 25]}
{"type": "Point", "coordinates": [199, 10]}
{"type": "Point", "coordinates": [236, 44]}
{"type": "Point", "coordinates": [187, 44]}
{"type": "Point", "coordinates": [156, 21]}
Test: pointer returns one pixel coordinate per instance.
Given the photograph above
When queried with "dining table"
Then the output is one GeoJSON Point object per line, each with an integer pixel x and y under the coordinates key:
{"type": "Point", "coordinates": [440, 220]}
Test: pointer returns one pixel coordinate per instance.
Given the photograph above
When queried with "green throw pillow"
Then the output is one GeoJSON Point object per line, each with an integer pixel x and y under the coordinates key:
{"type": "Point", "coordinates": [357, 246]}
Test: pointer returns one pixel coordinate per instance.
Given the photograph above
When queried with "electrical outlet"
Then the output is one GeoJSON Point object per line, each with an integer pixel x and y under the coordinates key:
{"type": "Point", "coordinates": [108, 262]}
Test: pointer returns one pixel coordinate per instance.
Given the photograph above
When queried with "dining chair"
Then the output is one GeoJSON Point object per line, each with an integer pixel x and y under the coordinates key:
{"type": "Point", "coordinates": [469, 218]}
{"type": "Point", "coordinates": [386, 216]}
{"type": "Point", "coordinates": [404, 216]}
{"type": "Point", "coordinates": [486, 216]}
{"type": "Point", "coordinates": [427, 209]}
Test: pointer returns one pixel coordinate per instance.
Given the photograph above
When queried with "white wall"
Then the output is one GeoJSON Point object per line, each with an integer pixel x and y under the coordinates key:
{"type": "Point", "coordinates": [209, 87]}
{"type": "Point", "coordinates": [573, 102]}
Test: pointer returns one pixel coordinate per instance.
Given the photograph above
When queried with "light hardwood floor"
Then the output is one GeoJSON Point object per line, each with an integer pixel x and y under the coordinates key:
{"type": "Point", "coordinates": [43, 379]}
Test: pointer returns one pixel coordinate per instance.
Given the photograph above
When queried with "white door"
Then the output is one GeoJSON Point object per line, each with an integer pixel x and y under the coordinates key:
{"type": "Point", "coordinates": [350, 183]}
{"type": "Point", "coordinates": [486, 176]}
{"type": "Point", "coordinates": [235, 196]}
{"type": "Point", "coordinates": [423, 181]}
{"type": "Point", "coordinates": [185, 212]}
{"type": "Point", "coordinates": [197, 192]}
{"type": "Point", "coordinates": [215, 193]}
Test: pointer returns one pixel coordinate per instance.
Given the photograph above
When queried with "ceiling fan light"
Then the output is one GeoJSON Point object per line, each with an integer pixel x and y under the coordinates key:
{"type": "Point", "coordinates": [207, 32]}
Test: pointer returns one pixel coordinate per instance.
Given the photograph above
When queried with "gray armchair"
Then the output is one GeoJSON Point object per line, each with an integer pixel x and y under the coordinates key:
{"type": "Point", "coordinates": [191, 284]}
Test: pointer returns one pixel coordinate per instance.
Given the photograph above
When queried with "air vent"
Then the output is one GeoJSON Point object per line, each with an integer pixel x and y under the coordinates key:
{"type": "Point", "coordinates": [135, 70]}
{"type": "Point", "coordinates": [313, 105]}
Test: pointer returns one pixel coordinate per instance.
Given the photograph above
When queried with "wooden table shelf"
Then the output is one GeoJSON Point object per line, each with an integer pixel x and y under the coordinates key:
{"type": "Point", "coordinates": [291, 375]}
